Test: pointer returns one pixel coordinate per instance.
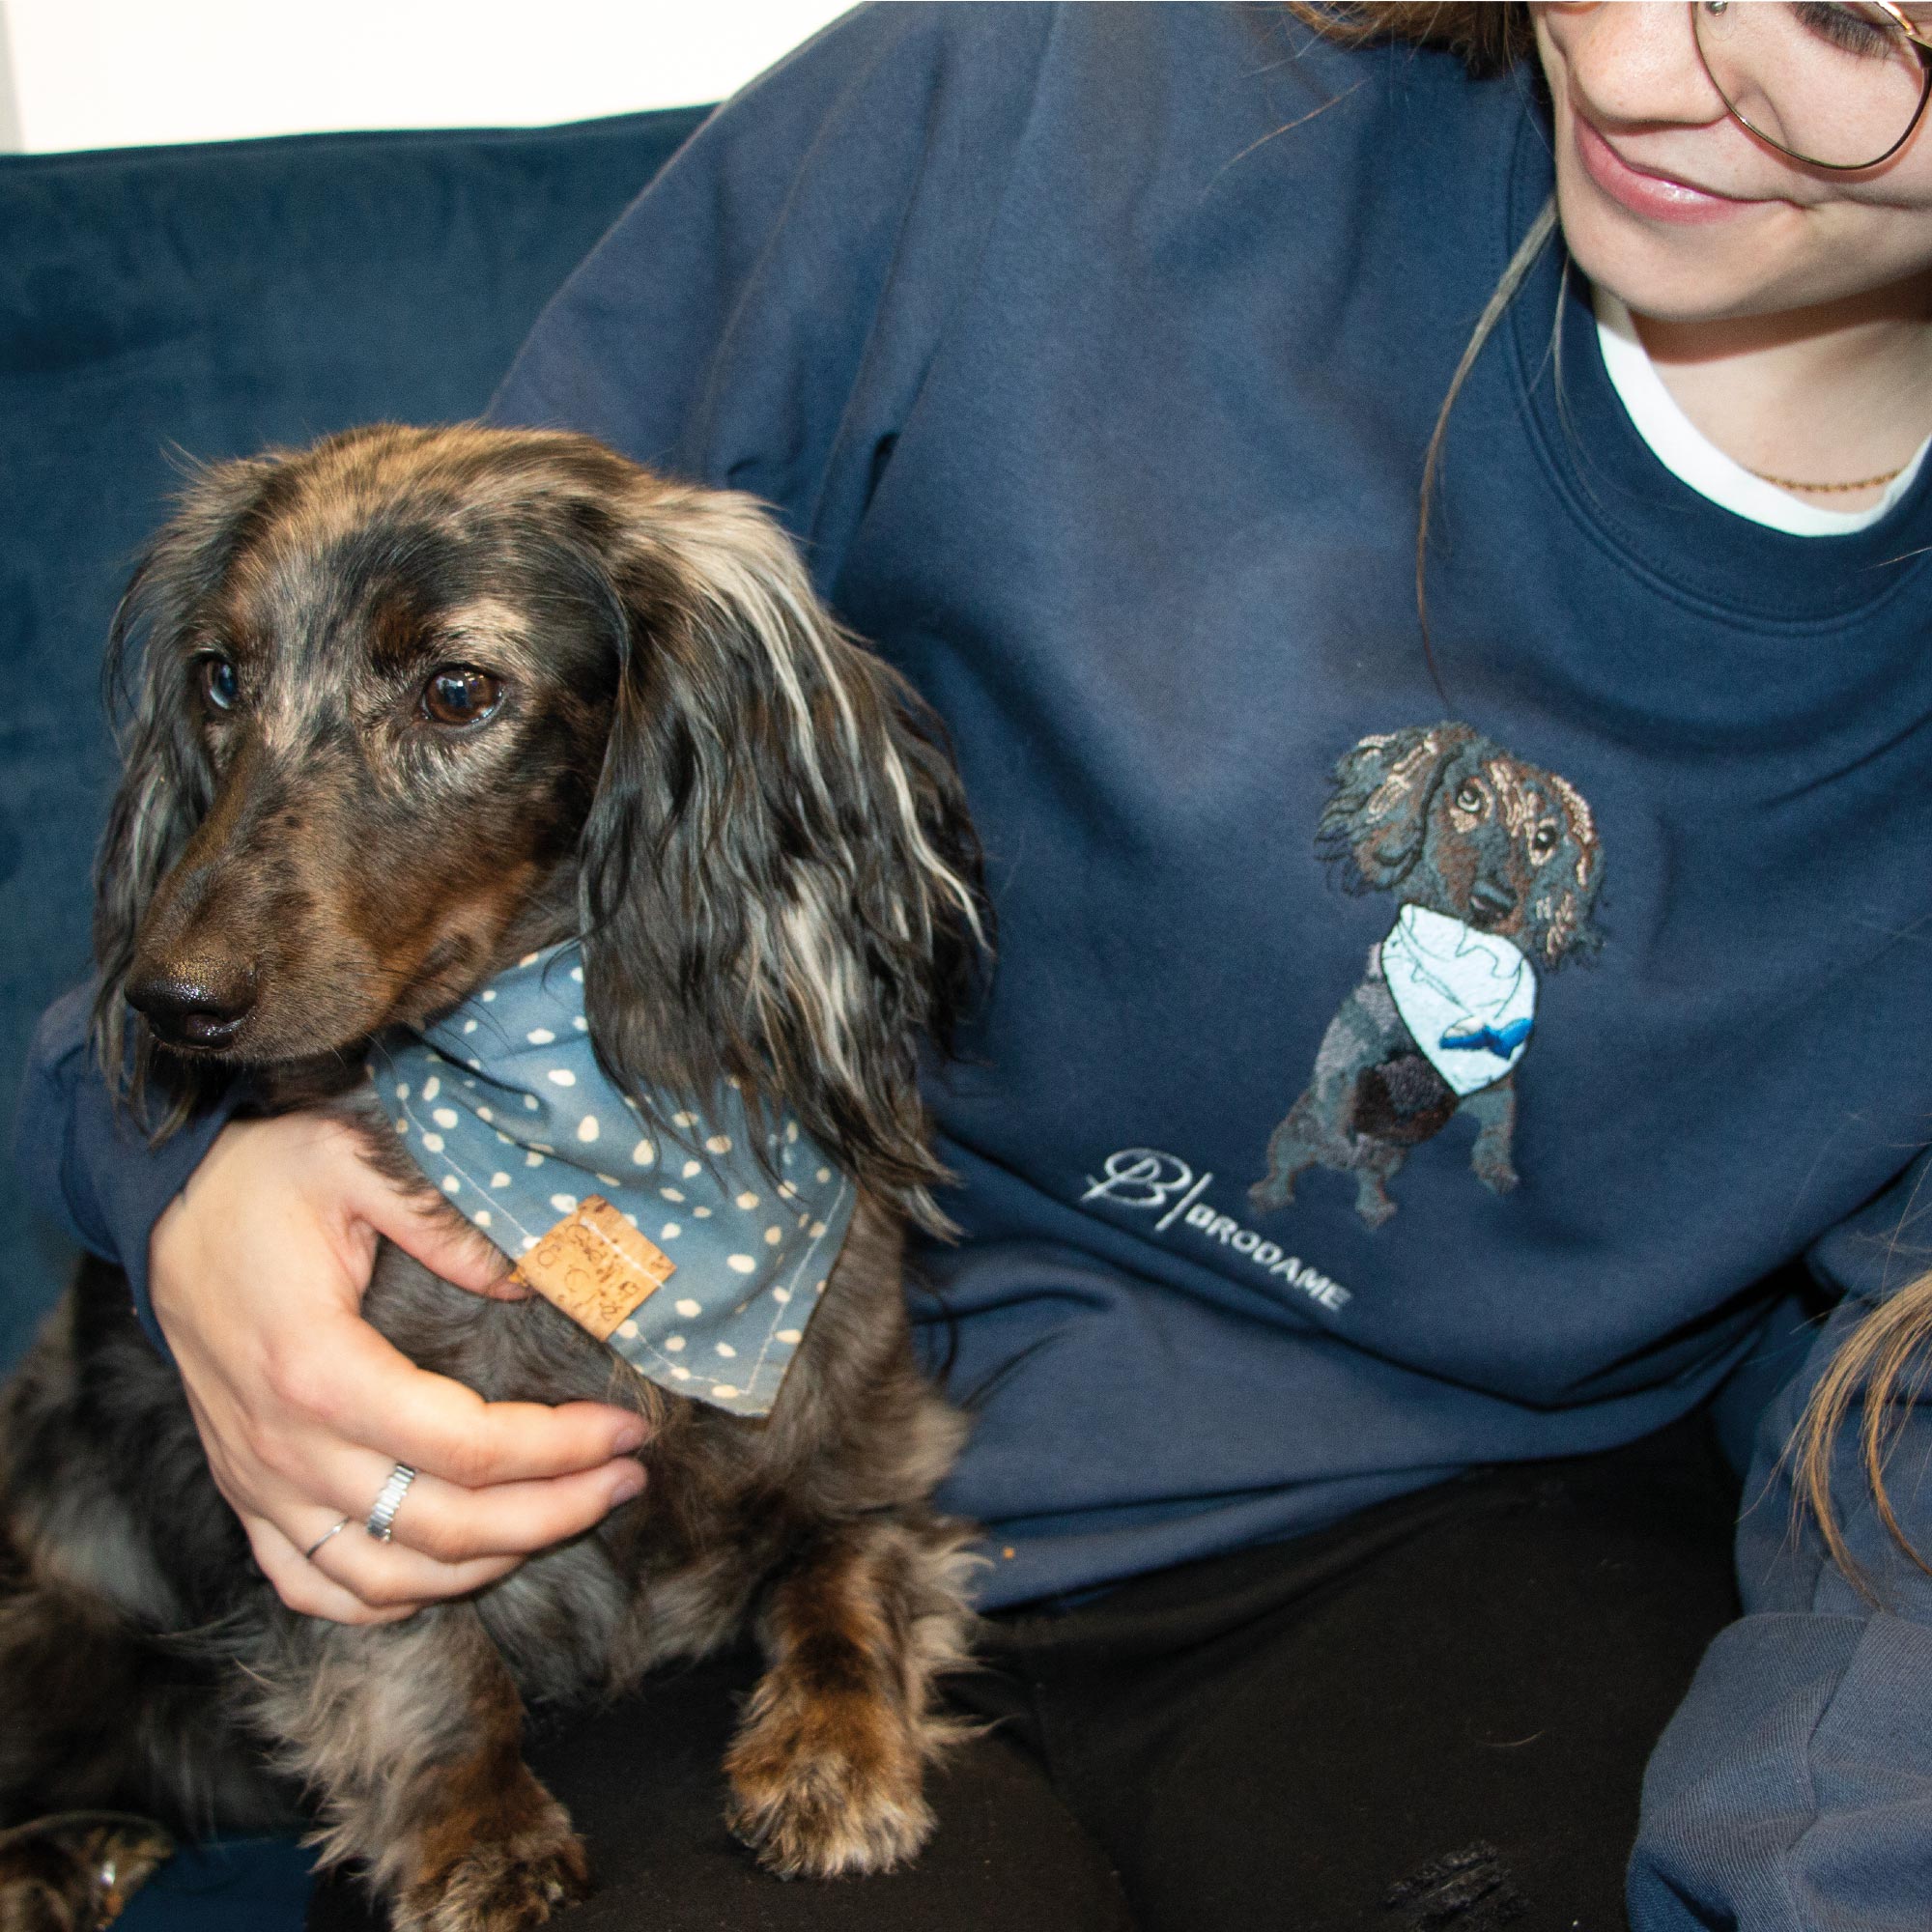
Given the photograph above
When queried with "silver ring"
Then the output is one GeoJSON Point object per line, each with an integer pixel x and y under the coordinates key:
{"type": "Point", "coordinates": [340, 1523]}
{"type": "Point", "coordinates": [382, 1511]}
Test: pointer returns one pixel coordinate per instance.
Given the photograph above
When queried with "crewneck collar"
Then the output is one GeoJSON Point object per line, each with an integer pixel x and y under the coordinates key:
{"type": "Point", "coordinates": [1691, 456]}
{"type": "Point", "coordinates": [1613, 484]}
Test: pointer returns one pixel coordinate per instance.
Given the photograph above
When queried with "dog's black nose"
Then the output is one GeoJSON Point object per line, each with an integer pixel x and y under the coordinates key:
{"type": "Point", "coordinates": [194, 1008]}
{"type": "Point", "coordinates": [1490, 904]}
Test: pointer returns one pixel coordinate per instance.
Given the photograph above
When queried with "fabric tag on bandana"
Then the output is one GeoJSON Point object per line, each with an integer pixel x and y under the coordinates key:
{"type": "Point", "coordinates": [695, 1252]}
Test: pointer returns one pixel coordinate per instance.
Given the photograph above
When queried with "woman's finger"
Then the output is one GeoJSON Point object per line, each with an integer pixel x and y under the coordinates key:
{"type": "Point", "coordinates": [304, 1587]}
{"type": "Point", "coordinates": [288, 1480]}
{"type": "Point", "coordinates": [362, 1387]}
{"type": "Point", "coordinates": [455, 1526]}
{"type": "Point", "coordinates": [423, 1224]}
{"type": "Point", "coordinates": [390, 1576]}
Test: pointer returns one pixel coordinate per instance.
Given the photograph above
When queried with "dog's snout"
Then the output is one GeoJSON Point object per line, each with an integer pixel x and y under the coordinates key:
{"type": "Point", "coordinates": [1490, 903]}
{"type": "Point", "coordinates": [195, 1008]}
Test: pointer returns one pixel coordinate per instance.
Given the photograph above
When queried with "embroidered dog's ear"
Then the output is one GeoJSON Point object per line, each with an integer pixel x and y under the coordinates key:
{"type": "Point", "coordinates": [167, 786]}
{"type": "Point", "coordinates": [1564, 921]}
{"type": "Point", "coordinates": [779, 882]}
{"type": "Point", "coordinates": [1375, 823]}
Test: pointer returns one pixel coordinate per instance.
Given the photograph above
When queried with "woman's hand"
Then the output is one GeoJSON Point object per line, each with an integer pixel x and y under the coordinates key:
{"type": "Point", "coordinates": [258, 1270]}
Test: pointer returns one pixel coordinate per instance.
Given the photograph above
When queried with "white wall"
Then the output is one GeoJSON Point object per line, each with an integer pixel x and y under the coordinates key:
{"type": "Point", "coordinates": [101, 73]}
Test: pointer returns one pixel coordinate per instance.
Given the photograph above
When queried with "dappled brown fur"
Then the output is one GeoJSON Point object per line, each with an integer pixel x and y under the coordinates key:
{"type": "Point", "coordinates": [753, 827]}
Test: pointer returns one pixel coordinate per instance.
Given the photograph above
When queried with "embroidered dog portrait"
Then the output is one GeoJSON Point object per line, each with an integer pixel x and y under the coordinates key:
{"type": "Point", "coordinates": [1494, 867]}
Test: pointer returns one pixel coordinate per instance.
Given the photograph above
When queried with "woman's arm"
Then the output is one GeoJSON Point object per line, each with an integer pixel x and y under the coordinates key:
{"type": "Point", "coordinates": [264, 1235]}
{"type": "Point", "coordinates": [90, 1164]}
{"type": "Point", "coordinates": [1794, 1787]}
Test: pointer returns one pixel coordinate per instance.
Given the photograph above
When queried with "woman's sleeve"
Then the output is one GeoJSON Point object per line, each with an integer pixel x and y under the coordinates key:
{"type": "Point", "coordinates": [90, 1164]}
{"type": "Point", "coordinates": [761, 317]}
{"type": "Point", "coordinates": [1793, 1789]}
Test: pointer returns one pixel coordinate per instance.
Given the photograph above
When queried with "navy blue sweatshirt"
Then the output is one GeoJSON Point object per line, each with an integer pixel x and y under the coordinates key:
{"type": "Point", "coordinates": [1380, 1079]}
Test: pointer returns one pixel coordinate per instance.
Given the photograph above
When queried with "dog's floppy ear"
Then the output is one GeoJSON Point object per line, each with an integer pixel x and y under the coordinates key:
{"type": "Point", "coordinates": [1375, 823]}
{"type": "Point", "coordinates": [779, 884]}
{"type": "Point", "coordinates": [165, 784]}
{"type": "Point", "coordinates": [1565, 926]}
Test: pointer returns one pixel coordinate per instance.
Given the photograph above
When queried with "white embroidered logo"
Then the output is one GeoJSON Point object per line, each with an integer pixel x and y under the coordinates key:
{"type": "Point", "coordinates": [1148, 1179]}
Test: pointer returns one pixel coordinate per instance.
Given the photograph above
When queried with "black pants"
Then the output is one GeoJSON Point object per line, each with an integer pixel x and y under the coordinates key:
{"type": "Point", "coordinates": [1432, 1718]}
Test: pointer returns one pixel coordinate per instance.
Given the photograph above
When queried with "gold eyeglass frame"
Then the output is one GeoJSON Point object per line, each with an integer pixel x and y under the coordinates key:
{"type": "Point", "coordinates": [1917, 40]}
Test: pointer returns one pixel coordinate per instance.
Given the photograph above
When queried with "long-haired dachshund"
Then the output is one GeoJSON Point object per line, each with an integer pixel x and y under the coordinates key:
{"type": "Point", "coordinates": [413, 705]}
{"type": "Point", "coordinates": [1495, 865]}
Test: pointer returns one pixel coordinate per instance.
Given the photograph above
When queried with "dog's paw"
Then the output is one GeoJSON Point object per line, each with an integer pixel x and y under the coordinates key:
{"type": "Point", "coordinates": [76, 1871]}
{"type": "Point", "coordinates": [1374, 1206]}
{"type": "Point", "coordinates": [1266, 1197]}
{"type": "Point", "coordinates": [502, 1887]}
{"type": "Point", "coordinates": [1497, 1176]}
{"type": "Point", "coordinates": [28, 1905]}
{"type": "Point", "coordinates": [828, 1786]}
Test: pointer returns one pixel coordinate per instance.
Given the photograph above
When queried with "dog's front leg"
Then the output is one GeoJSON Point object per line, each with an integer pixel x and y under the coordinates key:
{"type": "Point", "coordinates": [411, 1736]}
{"type": "Point", "coordinates": [827, 1767]}
{"type": "Point", "coordinates": [1494, 1109]}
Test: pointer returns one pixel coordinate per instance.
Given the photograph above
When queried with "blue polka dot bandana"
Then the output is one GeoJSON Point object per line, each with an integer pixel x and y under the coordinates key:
{"type": "Point", "coordinates": [505, 1106]}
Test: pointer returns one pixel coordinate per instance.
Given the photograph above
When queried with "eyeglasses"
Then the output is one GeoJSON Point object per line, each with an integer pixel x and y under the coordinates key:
{"type": "Point", "coordinates": [1835, 86]}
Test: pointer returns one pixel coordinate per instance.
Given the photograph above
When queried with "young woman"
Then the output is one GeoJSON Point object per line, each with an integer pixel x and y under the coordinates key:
{"type": "Point", "coordinates": [1412, 1054]}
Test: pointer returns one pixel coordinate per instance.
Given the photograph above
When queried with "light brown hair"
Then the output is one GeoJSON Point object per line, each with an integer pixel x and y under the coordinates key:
{"type": "Point", "coordinates": [1488, 39]}
{"type": "Point", "coordinates": [1881, 1367]}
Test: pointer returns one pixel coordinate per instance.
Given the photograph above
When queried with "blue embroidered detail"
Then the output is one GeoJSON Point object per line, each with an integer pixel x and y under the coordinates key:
{"type": "Point", "coordinates": [1502, 1041]}
{"type": "Point", "coordinates": [504, 1106]}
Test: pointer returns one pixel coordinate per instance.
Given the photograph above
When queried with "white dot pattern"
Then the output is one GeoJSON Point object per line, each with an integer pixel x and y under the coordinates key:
{"type": "Point", "coordinates": [739, 1270]}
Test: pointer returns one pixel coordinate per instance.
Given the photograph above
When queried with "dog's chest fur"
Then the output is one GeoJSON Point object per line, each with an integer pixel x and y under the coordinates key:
{"type": "Point", "coordinates": [671, 1576]}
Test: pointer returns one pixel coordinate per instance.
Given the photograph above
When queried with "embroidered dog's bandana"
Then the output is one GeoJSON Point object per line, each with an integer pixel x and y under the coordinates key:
{"type": "Point", "coordinates": [682, 1254]}
{"type": "Point", "coordinates": [1468, 997]}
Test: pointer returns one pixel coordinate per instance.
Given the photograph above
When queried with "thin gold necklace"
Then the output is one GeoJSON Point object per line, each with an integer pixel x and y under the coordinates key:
{"type": "Point", "coordinates": [1864, 483]}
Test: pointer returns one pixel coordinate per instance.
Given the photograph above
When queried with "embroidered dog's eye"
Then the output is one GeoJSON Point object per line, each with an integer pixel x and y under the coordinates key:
{"type": "Point", "coordinates": [220, 685]}
{"type": "Point", "coordinates": [1543, 840]}
{"type": "Point", "coordinates": [461, 695]}
{"type": "Point", "coordinates": [1469, 795]}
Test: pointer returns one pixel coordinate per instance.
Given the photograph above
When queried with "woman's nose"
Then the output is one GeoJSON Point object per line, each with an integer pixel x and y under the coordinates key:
{"type": "Point", "coordinates": [1634, 62]}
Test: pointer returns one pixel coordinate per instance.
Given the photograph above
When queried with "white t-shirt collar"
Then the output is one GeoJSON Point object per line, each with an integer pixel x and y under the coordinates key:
{"type": "Point", "coordinates": [1692, 458]}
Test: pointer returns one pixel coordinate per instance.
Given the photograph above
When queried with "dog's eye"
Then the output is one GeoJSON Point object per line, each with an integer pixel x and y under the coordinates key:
{"type": "Point", "coordinates": [461, 695]}
{"type": "Point", "coordinates": [1543, 840]}
{"type": "Point", "coordinates": [220, 685]}
{"type": "Point", "coordinates": [1469, 795]}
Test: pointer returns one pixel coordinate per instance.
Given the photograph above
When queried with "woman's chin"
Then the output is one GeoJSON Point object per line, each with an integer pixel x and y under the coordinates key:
{"type": "Point", "coordinates": [1677, 273]}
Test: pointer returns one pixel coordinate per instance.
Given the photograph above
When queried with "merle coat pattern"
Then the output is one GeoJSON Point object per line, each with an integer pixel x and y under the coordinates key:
{"type": "Point", "coordinates": [414, 703]}
{"type": "Point", "coordinates": [1447, 821]}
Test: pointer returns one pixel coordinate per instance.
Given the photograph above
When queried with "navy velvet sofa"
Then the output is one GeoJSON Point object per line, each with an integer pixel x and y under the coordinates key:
{"type": "Point", "coordinates": [195, 302]}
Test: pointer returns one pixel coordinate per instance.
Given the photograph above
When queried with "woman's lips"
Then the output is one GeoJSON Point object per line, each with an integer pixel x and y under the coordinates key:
{"type": "Point", "coordinates": [1654, 197]}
